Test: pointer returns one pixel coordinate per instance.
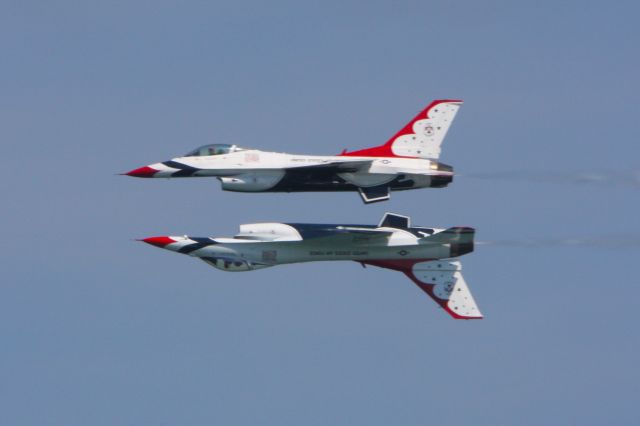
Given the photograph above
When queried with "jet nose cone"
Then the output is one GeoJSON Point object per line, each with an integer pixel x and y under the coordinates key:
{"type": "Point", "coordinates": [161, 242]}
{"type": "Point", "coordinates": [143, 172]}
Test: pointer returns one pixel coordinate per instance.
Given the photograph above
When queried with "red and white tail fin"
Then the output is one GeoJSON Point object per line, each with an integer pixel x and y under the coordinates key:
{"type": "Point", "coordinates": [441, 280]}
{"type": "Point", "coordinates": [421, 137]}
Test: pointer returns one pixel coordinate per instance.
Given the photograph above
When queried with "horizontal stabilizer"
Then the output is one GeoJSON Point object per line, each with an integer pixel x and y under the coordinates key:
{"type": "Point", "coordinates": [454, 235]}
{"type": "Point", "coordinates": [459, 239]}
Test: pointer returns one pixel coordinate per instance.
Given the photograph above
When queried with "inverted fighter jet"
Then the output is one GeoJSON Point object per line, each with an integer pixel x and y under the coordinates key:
{"type": "Point", "coordinates": [428, 256]}
{"type": "Point", "coordinates": [408, 160]}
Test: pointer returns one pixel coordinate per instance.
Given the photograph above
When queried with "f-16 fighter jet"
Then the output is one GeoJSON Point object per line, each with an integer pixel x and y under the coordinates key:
{"type": "Point", "coordinates": [408, 160]}
{"type": "Point", "coordinates": [428, 256]}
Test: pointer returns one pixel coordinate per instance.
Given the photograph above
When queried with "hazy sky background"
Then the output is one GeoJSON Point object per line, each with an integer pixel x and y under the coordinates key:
{"type": "Point", "coordinates": [97, 329]}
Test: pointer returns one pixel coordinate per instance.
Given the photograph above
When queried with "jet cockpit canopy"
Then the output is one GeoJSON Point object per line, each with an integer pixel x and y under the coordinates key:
{"type": "Point", "coordinates": [213, 149]}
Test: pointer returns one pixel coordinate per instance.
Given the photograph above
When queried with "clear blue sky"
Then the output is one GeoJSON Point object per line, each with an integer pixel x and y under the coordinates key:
{"type": "Point", "coordinates": [96, 329]}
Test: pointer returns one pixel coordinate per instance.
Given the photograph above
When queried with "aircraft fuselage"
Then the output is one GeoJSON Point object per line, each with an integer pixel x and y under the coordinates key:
{"type": "Point", "coordinates": [269, 244]}
{"type": "Point", "coordinates": [408, 160]}
{"type": "Point", "coordinates": [427, 256]}
{"type": "Point", "coordinates": [259, 171]}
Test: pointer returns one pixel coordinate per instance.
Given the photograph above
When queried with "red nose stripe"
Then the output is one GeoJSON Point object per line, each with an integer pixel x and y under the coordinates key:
{"type": "Point", "coordinates": [144, 172]}
{"type": "Point", "coordinates": [159, 241]}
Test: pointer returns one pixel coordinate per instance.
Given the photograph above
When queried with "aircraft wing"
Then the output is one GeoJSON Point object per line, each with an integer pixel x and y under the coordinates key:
{"type": "Point", "coordinates": [334, 234]}
{"type": "Point", "coordinates": [442, 281]}
{"type": "Point", "coordinates": [341, 234]}
{"type": "Point", "coordinates": [334, 166]}
{"type": "Point", "coordinates": [370, 194]}
{"type": "Point", "coordinates": [306, 169]}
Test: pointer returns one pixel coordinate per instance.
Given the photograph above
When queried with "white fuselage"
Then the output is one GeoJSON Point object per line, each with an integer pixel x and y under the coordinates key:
{"type": "Point", "coordinates": [278, 253]}
{"type": "Point", "coordinates": [408, 160]}
{"type": "Point", "coordinates": [253, 170]}
{"type": "Point", "coordinates": [268, 244]}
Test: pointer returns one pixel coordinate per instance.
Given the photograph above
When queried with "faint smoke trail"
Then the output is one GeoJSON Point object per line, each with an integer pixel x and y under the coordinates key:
{"type": "Point", "coordinates": [601, 178]}
{"type": "Point", "coordinates": [608, 242]}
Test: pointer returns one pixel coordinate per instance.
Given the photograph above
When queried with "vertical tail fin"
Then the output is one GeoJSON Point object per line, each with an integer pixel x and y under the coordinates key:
{"type": "Point", "coordinates": [442, 280]}
{"type": "Point", "coordinates": [421, 137]}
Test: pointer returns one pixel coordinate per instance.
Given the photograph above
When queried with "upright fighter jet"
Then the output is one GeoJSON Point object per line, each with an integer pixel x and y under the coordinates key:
{"type": "Point", "coordinates": [428, 256]}
{"type": "Point", "coordinates": [408, 160]}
